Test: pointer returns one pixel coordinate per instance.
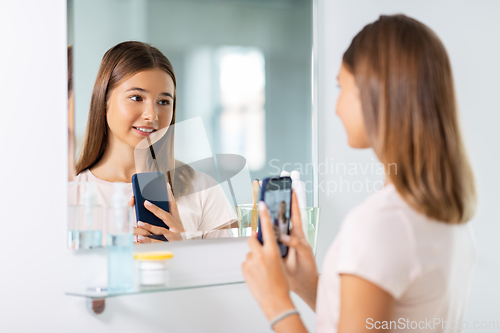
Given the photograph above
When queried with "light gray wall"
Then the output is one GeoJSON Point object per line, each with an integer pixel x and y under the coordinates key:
{"type": "Point", "coordinates": [469, 30]}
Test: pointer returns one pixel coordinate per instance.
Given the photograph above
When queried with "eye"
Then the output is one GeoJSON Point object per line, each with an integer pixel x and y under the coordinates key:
{"type": "Point", "coordinates": [136, 98]}
{"type": "Point", "coordinates": [164, 102]}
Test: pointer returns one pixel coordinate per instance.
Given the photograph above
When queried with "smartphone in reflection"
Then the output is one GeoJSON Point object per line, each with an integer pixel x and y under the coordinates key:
{"type": "Point", "coordinates": [276, 192]}
{"type": "Point", "coordinates": [151, 186]}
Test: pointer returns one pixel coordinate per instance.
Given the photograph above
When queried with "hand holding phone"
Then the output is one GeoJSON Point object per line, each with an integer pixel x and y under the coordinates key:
{"type": "Point", "coordinates": [276, 192]}
{"type": "Point", "coordinates": [150, 186]}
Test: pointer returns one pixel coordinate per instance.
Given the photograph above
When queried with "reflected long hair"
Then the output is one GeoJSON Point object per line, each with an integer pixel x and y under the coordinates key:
{"type": "Point", "coordinates": [118, 64]}
{"type": "Point", "coordinates": [407, 93]}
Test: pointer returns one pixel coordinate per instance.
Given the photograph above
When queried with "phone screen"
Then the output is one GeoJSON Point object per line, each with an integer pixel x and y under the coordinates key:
{"type": "Point", "coordinates": [277, 194]}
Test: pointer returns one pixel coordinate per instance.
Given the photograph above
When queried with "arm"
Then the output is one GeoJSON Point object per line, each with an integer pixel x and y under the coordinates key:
{"type": "Point", "coordinates": [362, 304]}
{"type": "Point", "coordinates": [291, 324]}
{"type": "Point", "coordinates": [265, 275]}
{"type": "Point", "coordinates": [300, 264]}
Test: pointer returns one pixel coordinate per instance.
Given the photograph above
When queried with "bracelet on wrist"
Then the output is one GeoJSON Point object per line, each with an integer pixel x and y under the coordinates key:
{"type": "Point", "coordinates": [282, 316]}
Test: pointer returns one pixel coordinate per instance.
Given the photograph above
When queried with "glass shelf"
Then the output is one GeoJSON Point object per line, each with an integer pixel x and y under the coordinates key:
{"type": "Point", "coordinates": [101, 293]}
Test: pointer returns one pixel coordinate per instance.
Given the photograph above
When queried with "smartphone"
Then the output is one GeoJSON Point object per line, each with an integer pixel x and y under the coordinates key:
{"type": "Point", "coordinates": [151, 186]}
{"type": "Point", "coordinates": [276, 192]}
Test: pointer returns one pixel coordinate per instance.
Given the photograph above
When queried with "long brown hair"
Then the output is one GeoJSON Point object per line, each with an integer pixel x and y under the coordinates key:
{"type": "Point", "coordinates": [119, 63]}
{"type": "Point", "coordinates": [407, 93]}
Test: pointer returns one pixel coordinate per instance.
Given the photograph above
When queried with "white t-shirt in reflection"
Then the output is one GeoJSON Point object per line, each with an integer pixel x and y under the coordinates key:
{"type": "Point", "coordinates": [202, 211]}
{"type": "Point", "coordinates": [424, 264]}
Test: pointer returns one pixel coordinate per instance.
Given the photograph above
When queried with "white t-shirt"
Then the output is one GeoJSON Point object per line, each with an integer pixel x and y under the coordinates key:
{"type": "Point", "coordinates": [202, 211]}
{"type": "Point", "coordinates": [424, 264]}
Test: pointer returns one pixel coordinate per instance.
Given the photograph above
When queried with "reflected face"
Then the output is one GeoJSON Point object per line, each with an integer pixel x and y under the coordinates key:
{"type": "Point", "coordinates": [139, 106]}
{"type": "Point", "coordinates": [350, 111]}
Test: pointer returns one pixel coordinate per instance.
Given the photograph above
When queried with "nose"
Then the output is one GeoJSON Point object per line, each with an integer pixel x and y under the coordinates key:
{"type": "Point", "coordinates": [150, 113]}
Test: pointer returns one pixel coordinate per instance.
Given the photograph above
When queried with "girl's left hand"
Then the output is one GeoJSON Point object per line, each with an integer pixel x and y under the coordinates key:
{"type": "Point", "coordinates": [264, 270]}
{"type": "Point", "coordinates": [172, 220]}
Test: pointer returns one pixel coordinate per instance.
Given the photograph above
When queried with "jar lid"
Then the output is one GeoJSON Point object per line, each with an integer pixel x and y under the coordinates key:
{"type": "Point", "coordinates": [153, 256]}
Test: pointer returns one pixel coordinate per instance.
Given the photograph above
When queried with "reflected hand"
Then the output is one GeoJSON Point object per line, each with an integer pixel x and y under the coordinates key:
{"type": "Point", "coordinates": [140, 233]}
{"type": "Point", "coordinates": [172, 220]}
{"type": "Point", "coordinates": [264, 270]}
{"type": "Point", "coordinates": [300, 264]}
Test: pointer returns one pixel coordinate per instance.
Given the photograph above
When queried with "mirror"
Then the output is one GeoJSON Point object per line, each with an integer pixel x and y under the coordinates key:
{"type": "Point", "coordinates": [240, 108]}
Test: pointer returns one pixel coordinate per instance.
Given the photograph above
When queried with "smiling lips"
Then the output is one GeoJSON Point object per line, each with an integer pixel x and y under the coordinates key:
{"type": "Point", "coordinates": [144, 131]}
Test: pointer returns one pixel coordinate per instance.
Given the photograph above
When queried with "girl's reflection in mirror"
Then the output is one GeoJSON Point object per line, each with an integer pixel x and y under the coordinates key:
{"type": "Point", "coordinates": [134, 97]}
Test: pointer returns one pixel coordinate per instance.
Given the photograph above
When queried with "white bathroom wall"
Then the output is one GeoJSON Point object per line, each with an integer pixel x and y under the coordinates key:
{"type": "Point", "coordinates": [36, 266]}
{"type": "Point", "coordinates": [469, 30]}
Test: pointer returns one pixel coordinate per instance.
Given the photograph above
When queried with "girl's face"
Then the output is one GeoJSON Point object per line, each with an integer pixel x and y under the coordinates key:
{"type": "Point", "coordinates": [139, 106]}
{"type": "Point", "coordinates": [350, 111]}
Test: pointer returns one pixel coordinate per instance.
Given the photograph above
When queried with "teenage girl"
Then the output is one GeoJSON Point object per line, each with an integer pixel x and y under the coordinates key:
{"type": "Point", "coordinates": [404, 256]}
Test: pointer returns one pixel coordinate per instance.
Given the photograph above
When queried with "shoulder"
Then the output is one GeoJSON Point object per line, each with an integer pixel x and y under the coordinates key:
{"type": "Point", "coordinates": [201, 182]}
{"type": "Point", "coordinates": [383, 211]}
{"type": "Point", "coordinates": [106, 187]}
{"type": "Point", "coordinates": [210, 198]}
{"type": "Point", "coordinates": [202, 187]}
{"type": "Point", "coordinates": [203, 178]}
{"type": "Point", "coordinates": [88, 176]}
{"type": "Point", "coordinates": [83, 176]}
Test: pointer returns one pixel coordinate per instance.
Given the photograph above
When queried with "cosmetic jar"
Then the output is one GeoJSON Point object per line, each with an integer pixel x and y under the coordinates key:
{"type": "Point", "coordinates": [152, 268]}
